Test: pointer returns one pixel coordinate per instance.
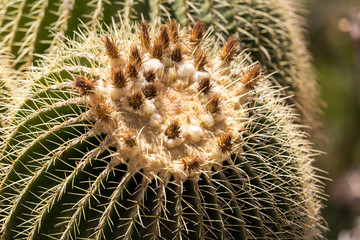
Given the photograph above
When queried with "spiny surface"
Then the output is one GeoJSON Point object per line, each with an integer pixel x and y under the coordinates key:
{"type": "Point", "coordinates": [271, 30]}
{"type": "Point", "coordinates": [124, 136]}
{"type": "Point", "coordinates": [12, 88]}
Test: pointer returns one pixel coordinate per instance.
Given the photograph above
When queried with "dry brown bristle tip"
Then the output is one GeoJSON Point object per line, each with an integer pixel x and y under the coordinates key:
{"type": "Point", "coordinates": [225, 143]}
{"type": "Point", "coordinates": [112, 49]}
{"type": "Point", "coordinates": [229, 49]}
{"type": "Point", "coordinates": [85, 85]}
{"type": "Point", "coordinates": [173, 130]}
{"type": "Point", "coordinates": [136, 99]}
{"type": "Point", "coordinates": [144, 35]}
{"type": "Point", "coordinates": [197, 32]}
{"type": "Point", "coordinates": [118, 78]}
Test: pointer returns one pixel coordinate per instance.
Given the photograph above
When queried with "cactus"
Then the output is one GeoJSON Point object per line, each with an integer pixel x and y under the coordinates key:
{"type": "Point", "coordinates": [11, 89]}
{"type": "Point", "coordinates": [270, 29]}
{"type": "Point", "coordinates": [154, 132]}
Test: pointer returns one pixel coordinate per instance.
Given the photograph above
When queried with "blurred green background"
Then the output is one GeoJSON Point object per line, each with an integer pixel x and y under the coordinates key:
{"type": "Point", "coordinates": [335, 60]}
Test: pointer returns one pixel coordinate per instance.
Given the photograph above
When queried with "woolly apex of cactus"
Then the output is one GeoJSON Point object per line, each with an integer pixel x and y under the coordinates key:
{"type": "Point", "coordinates": [272, 31]}
{"type": "Point", "coordinates": [123, 135]}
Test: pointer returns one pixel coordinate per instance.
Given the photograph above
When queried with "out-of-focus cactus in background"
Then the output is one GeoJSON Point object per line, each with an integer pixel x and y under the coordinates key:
{"type": "Point", "coordinates": [334, 28]}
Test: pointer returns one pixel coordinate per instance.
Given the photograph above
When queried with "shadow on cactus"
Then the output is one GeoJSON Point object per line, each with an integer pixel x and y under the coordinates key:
{"type": "Point", "coordinates": [152, 132]}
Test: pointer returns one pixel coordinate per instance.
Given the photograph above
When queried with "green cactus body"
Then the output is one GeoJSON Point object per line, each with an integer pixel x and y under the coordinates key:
{"type": "Point", "coordinates": [12, 88]}
{"type": "Point", "coordinates": [270, 29]}
{"type": "Point", "coordinates": [6, 95]}
{"type": "Point", "coordinates": [128, 137]}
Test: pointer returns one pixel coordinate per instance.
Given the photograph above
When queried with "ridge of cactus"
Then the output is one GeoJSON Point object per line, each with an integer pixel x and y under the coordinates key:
{"type": "Point", "coordinates": [271, 30]}
{"type": "Point", "coordinates": [155, 132]}
{"type": "Point", "coordinates": [12, 90]}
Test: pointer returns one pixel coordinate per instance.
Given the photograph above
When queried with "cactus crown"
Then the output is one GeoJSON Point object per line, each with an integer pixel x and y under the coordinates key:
{"type": "Point", "coordinates": [148, 132]}
{"type": "Point", "coordinates": [270, 29]}
{"type": "Point", "coordinates": [183, 112]}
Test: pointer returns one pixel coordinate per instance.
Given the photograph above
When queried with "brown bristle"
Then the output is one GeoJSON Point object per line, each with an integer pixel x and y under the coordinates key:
{"type": "Point", "coordinates": [111, 49]}
{"type": "Point", "coordinates": [173, 130]}
{"type": "Point", "coordinates": [173, 31]}
{"type": "Point", "coordinates": [144, 35]}
{"type": "Point", "coordinates": [164, 37]}
{"type": "Point", "coordinates": [205, 85]}
{"type": "Point", "coordinates": [225, 143]}
{"type": "Point", "coordinates": [150, 90]}
{"type": "Point", "coordinates": [229, 49]}
{"type": "Point", "coordinates": [200, 61]}
{"type": "Point", "coordinates": [129, 139]}
{"type": "Point", "coordinates": [118, 78]}
{"type": "Point", "coordinates": [191, 163]}
{"type": "Point", "coordinates": [102, 110]}
{"type": "Point", "coordinates": [135, 99]}
{"type": "Point", "coordinates": [135, 56]}
{"type": "Point", "coordinates": [176, 54]}
{"type": "Point", "coordinates": [197, 32]}
{"type": "Point", "coordinates": [249, 79]}
{"type": "Point", "coordinates": [157, 49]}
{"type": "Point", "coordinates": [213, 105]}
{"type": "Point", "coordinates": [85, 85]}
{"type": "Point", "coordinates": [150, 75]}
{"type": "Point", "coordinates": [131, 70]}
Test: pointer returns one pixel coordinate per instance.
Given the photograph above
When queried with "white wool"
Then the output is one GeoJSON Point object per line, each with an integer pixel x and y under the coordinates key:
{"type": "Point", "coordinates": [155, 65]}
{"type": "Point", "coordinates": [195, 133]}
{"type": "Point", "coordinates": [171, 75]}
{"type": "Point", "coordinates": [147, 108]}
{"type": "Point", "coordinates": [219, 117]}
{"type": "Point", "coordinates": [117, 93]}
{"type": "Point", "coordinates": [173, 143]}
{"type": "Point", "coordinates": [155, 120]}
{"type": "Point", "coordinates": [207, 120]}
{"type": "Point", "coordinates": [216, 90]}
{"type": "Point", "coordinates": [216, 155]}
{"type": "Point", "coordinates": [198, 76]}
{"type": "Point", "coordinates": [185, 69]}
{"type": "Point", "coordinates": [194, 121]}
